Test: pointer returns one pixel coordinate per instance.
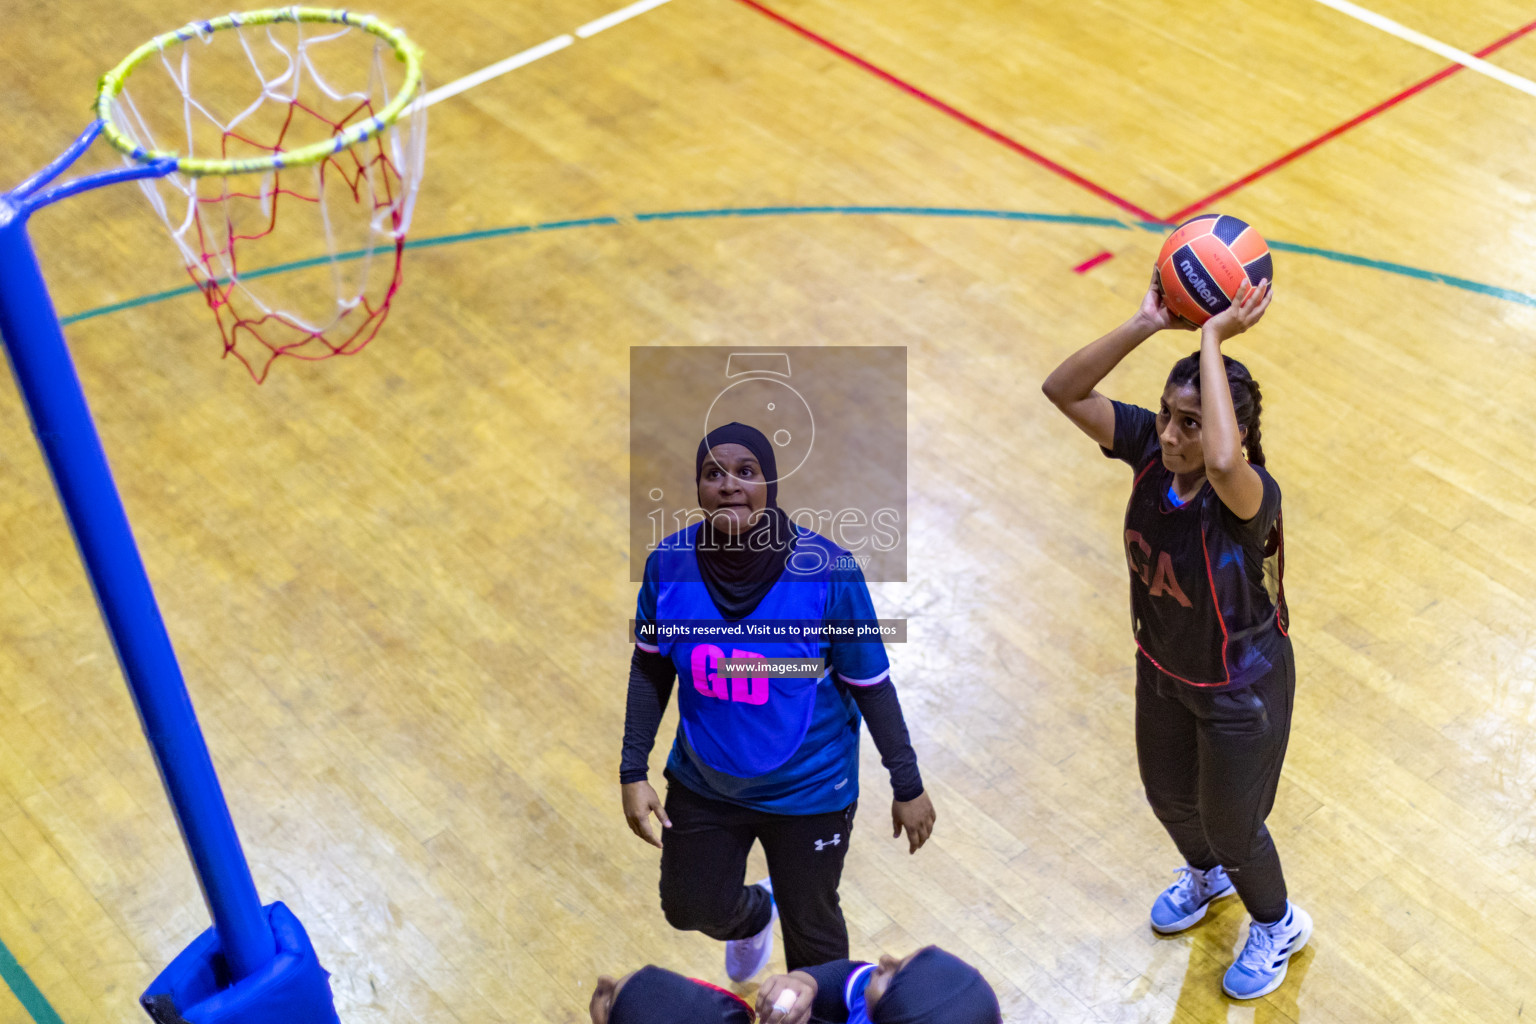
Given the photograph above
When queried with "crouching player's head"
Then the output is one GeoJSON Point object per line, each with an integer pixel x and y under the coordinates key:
{"type": "Point", "coordinates": [926, 987]}
{"type": "Point", "coordinates": [655, 996]}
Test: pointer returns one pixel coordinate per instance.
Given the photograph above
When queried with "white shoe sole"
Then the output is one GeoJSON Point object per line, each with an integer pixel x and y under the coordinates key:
{"type": "Point", "coordinates": [1285, 968]}
{"type": "Point", "coordinates": [1185, 922]}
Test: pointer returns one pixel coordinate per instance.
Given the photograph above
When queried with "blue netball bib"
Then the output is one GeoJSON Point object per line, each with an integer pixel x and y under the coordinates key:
{"type": "Point", "coordinates": [741, 727]}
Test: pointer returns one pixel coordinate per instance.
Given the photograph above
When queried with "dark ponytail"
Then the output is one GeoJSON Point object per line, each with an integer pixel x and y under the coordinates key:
{"type": "Point", "coordinates": [1247, 400]}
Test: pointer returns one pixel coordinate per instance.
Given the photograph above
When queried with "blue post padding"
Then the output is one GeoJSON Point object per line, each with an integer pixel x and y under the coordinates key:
{"type": "Point", "coordinates": [292, 987]}
{"type": "Point", "coordinates": [45, 376]}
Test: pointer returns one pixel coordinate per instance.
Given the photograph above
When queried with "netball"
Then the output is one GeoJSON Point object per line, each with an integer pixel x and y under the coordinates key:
{"type": "Point", "coordinates": [1206, 260]}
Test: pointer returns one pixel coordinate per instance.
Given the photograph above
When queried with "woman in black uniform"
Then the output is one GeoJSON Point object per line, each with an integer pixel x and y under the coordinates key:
{"type": "Point", "coordinates": [1215, 678]}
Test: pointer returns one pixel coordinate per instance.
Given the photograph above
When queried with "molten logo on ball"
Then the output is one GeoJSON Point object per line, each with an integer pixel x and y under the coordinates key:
{"type": "Point", "coordinates": [1193, 278]}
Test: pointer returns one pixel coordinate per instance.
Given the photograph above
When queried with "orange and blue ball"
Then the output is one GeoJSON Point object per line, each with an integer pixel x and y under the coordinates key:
{"type": "Point", "coordinates": [1205, 261]}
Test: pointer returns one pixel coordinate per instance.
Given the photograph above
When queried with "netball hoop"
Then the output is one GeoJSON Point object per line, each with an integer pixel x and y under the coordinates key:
{"type": "Point", "coordinates": [285, 128]}
{"type": "Point", "coordinates": [301, 152]}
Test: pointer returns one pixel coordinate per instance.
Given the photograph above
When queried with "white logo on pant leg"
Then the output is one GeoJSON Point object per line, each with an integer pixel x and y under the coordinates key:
{"type": "Point", "coordinates": [822, 844]}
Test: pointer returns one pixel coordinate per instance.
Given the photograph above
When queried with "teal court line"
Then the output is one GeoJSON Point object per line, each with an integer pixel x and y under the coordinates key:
{"type": "Point", "coordinates": [26, 993]}
{"type": "Point", "coordinates": [1400, 269]}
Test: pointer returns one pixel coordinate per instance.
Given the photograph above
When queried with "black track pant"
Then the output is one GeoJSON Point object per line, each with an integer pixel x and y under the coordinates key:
{"type": "Point", "coordinates": [704, 867]}
{"type": "Point", "coordinates": [1210, 763]}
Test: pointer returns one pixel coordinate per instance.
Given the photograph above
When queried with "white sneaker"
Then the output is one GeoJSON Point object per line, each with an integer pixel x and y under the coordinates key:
{"type": "Point", "coordinates": [745, 958]}
{"type": "Point", "coordinates": [1184, 902]}
{"type": "Point", "coordinates": [1260, 967]}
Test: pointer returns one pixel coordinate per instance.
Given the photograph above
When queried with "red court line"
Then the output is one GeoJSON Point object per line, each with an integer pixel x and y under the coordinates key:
{"type": "Point", "coordinates": [1099, 190]}
{"type": "Point", "coordinates": [965, 119]}
{"type": "Point", "coordinates": [1093, 261]}
{"type": "Point", "coordinates": [1333, 133]}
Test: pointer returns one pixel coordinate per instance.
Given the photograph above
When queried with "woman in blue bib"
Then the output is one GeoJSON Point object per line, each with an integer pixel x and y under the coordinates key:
{"type": "Point", "coordinates": [758, 758]}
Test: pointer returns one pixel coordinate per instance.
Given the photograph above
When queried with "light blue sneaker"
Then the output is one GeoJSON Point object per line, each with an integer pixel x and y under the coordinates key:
{"type": "Point", "coordinates": [1184, 902]}
{"type": "Point", "coordinates": [1260, 967]}
{"type": "Point", "coordinates": [745, 958]}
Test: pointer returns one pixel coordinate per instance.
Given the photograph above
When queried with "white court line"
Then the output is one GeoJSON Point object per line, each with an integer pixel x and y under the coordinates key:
{"type": "Point", "coordinates": [532, 54]}
{"type": "Point", "coordinates": [592, 28]}
{"type": "Point", "coordinates": [1408, 35]}
{"type": "Point", "coordinates": [501, 67]}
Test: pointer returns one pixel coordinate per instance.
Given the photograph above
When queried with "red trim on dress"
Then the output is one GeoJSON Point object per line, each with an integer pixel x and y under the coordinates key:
{"type": "Point", "coordinates": [751, 1013]}
{"type": "Point", "coordinates": [1171, 675]}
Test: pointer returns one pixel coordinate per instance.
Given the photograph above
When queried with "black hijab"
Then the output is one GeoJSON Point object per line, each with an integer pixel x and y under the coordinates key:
{"type": "Point", "coordinates": [739, 570]}
{"type": "Point", "coordinates": [656, 996]}
{"type": "Point", "coordinates": [933, 986]}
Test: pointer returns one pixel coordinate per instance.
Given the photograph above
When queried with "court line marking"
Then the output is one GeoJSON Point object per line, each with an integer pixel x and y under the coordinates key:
{"type": "Point", "coordinates": [968, 213]}
{"type": "Point", "coordinates": [27, 994]}
{"type": "Point", "coordinates": [1338, 130]}
{"type": "Point", "coordinates": [1476, 63]}
{"type": "Point", "coordinates": [533, 53]}
{"type": "Point", "coordinates": [619, 16]}
{"type": "Point", "coordinates": [1419, 39]}
{"type": "Point", "coordinates": [1093, 261]}
{"type": "Point", "coordinates": [491, 71]}
{"type": "Point", "coordinates": [963, 118]}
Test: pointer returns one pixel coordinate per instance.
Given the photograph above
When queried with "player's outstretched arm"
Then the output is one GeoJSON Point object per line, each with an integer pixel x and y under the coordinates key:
{"type": "Point", "coordinates": [1070, 387]}
{"type": "Point", "coordinates": [1232, 478]}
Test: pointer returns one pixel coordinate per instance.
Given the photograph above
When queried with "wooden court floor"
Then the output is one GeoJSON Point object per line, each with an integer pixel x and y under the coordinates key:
{"type": "Point", "coordinates": [398, 582]}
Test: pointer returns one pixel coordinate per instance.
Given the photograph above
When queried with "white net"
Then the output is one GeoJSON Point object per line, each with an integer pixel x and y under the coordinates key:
{"type": "Point", "coordinates": [299, 260]}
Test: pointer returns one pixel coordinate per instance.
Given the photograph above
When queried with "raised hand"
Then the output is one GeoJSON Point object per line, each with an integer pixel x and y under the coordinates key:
{"type": "Point", "coordinates": [1154, 310]}
{"type": "Point", "coordinates": [1245, 311]}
